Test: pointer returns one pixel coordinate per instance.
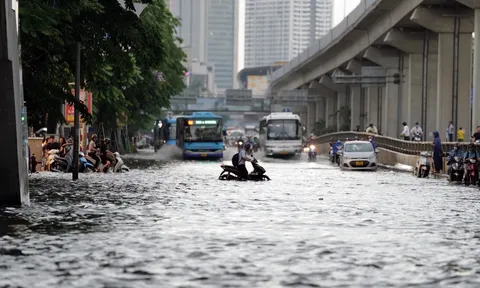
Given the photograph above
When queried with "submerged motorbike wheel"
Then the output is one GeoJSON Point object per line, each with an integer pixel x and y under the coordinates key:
{"type": "Point", "coordinates": [89, 169]}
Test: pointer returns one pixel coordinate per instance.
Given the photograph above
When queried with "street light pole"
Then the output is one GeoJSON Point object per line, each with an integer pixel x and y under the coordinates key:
{"type": "Point", "coordinates": [76, 120]}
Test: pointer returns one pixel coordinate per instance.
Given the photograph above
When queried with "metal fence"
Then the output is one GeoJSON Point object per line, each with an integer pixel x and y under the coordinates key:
{"type": "Point", "coordinates": [392, 144]}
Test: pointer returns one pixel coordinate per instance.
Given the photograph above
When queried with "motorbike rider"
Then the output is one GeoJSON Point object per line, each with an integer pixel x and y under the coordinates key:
{"type": "Point", "coordinates": [337, 146]}
{"type": "Point", "coordinates": [242, 157]}
{"type": "Point", "coordinates": [105, 154]}
{"type": "Point", "coordinates": [371, 129]}
{"type": "Point", "coordinates": [372, 140]}
{"type": "Point", "coordinates": [456, 152]}
{"type": "Point", "coordinates": [416, 132]}
{"type": "Point", "coordinates": [93, 150]}
{"type": "Point", "coordinates": [470, 154]}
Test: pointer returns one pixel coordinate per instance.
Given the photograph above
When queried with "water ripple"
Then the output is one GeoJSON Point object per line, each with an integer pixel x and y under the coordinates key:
{"type": "Point", "coordinates": [170, 223]}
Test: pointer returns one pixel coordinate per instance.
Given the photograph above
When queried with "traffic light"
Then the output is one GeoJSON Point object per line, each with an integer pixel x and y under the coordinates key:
{"type": "Point", "coordinates": [396, 78]}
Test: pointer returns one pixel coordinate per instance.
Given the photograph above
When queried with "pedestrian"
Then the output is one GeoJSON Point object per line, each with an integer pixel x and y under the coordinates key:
{"type": "Point", "coordinates": [450, 131]}
{"type": "Point", "coordinates": [460, 135]}
{"type": "Point", "coordinates": [406, 132]}
{"type": "Point", "coordinates": [437, 152]}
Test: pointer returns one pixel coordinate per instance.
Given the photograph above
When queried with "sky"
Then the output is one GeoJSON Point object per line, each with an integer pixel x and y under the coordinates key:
{"type": "Point", "coordinates": [339, 8]}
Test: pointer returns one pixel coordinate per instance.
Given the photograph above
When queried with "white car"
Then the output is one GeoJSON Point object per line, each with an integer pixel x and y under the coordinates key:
{"type": "Point", "coordinates": [358, 155]}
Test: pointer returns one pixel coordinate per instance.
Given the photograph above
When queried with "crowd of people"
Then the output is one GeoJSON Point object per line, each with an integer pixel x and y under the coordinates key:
{"type": "Point", "coordinates": [97, 150]}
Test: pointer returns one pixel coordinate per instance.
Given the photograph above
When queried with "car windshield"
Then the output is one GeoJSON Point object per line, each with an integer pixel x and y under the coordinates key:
{"type": "Point", "coordinates": [201, 130]}
{"type": "Point", "coordinates": [359, 147]}
{"type": "Point", "coordinates": [283, 130]}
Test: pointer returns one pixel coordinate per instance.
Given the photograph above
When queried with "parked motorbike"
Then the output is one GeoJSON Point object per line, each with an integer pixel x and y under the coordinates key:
{"type": "Point", "coordinates": [119, 165]}
{"type": "Point", "coordinates": [312, 154]}
{"type": "Point", "coordinates": [470, 172]}
{"type": "Point", "coordinates": [57, 163]}
{"type": "Point", "coordinates": [456, 170]}
{"type": "Point", "coordinates": [232, 173]}
{"type": "Point", "coordinates": [85, 166]}
{"type": "Point", "coordinates": [423, 165]}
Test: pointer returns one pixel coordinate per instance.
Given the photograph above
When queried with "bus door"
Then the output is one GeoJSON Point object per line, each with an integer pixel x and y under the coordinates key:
{"type": "Point", "coordinates": [180, 132]}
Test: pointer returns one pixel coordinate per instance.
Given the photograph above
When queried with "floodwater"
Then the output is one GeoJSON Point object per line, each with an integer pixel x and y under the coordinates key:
{"type": "Point", "coordinates": [170, 223]}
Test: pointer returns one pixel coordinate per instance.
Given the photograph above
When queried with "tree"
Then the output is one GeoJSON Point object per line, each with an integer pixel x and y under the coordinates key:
{"type": "Point", "coordinates": [120, 56]}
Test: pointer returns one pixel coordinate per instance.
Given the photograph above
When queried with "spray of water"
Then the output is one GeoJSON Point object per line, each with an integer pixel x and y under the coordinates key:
{"type": "Point", "coordinates": [166, 153]}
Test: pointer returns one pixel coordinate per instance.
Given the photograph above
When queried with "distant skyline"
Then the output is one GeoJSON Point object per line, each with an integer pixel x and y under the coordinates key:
{"type": "Point", "coordinates": [338, 14]}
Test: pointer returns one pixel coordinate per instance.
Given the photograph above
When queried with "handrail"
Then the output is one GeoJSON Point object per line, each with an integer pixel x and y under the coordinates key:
{"type": "Point", "coordinates": [390, 143]}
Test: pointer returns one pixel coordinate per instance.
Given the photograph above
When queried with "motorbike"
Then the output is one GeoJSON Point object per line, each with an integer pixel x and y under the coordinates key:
{"type": "Point", "coordinates": [119, 165]}
{"type": "Point", "coordinates": [417, 137]}
{"type": "Point", "coordinates": [423, 164]}
{"type": "Point", "coordinates": [312, 154]}
{"type": "Point", "coordinates": [456, 170]}
{"type": "Point", "coordinates": [232, 173]}
{"type": "Point", "coordinates": [470, 172]}
{"type": "Point", "coordinates": [57, 163]}
{"type": "Point", "coordinates": [85, 166]}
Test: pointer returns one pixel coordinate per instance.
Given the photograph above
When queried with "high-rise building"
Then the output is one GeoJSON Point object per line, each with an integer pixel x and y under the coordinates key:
{"type": "Point", "coordinates": [276, 31]}
{"type": "Point", "coordinates": [209, 29]}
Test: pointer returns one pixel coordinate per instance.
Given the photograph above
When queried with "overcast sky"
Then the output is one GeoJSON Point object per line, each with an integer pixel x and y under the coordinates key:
{"type": "Point", "coordinates": [339, 9]}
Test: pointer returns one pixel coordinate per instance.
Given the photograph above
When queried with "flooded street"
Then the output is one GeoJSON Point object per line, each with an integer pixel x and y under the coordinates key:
{"type": "Point", "coordinates": [170, 223]}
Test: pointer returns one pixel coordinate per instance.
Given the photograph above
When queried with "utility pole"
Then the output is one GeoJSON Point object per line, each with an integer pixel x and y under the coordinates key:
{"type": "Point", "coordinates": [76, 120]}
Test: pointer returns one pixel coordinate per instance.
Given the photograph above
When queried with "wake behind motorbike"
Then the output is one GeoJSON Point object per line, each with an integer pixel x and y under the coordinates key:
{"type": "Point", "coordinates": [232, 173]}
{"type": "Point", "coordinates": [312, 154]}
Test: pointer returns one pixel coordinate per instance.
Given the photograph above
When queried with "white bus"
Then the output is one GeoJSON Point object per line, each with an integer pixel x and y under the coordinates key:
{"type": "Point", "coordinates": [281, 134]}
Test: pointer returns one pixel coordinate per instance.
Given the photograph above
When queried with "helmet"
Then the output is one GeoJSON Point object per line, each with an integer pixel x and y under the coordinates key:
{"type": "Point", "coordinates": [106, 140]}
{"type": "Point", "coordinates": [94, 136]}
{"type": "Point", "coordinates": [247, 146]}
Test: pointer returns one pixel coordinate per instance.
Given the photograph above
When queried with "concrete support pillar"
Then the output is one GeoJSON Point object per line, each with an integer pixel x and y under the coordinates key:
{"type": "Point", "coordinates": [311, 110]}
{"type": "Point", "coordinates": [355, 106]}
{"type": "Point", "coordinates": [330, 109]}
{"type": "Point", "coordinates": [414, 92]}
{"type": "Point", "coordinates": [14, 190]}
{"type": "Point", "coordinates": [449, 108]}
{"type": "Point", "coordinates": [342, 105]}
{"type": "Point", "coordinates": [390, 60]}
{"type": "Point", "coordinates": [453, 61]}
{"type": "Point", "coordinates": [372, 105]}
{"type": "Point", "coordinates": [476, 72]}
{"type": "Point", "coordinates": [320, 110]}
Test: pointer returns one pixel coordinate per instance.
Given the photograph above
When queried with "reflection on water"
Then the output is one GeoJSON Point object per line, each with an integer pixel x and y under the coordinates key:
{"type": "Point", "coordinates": [170, 223]}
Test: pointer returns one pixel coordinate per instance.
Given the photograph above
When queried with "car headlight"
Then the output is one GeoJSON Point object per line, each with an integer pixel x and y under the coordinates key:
{"type": "Point", "coordinates": [312, 147]}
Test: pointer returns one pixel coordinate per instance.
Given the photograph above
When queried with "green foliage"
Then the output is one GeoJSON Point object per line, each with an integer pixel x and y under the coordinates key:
{"type": "Point", "coordinates": [121, 55]}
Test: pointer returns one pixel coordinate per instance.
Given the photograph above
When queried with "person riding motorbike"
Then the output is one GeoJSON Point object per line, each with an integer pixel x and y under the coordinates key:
{"type": "Point", "coordinates": [374, 144]}
{"type": "Point", "coordinates": [470, 154]}
{"type": "Point", "coordinates": [337, 146]}
{"type": "Point", "coordinates": [242, 157]}
{"type": "Point", "coordinates": [105, 154]}
{"type": "Point", "coordinates": [456, 152]}
{"type": "Point", "coordinates": [93, 150]}
{"type": "Point", "coordinates": [416, 132]}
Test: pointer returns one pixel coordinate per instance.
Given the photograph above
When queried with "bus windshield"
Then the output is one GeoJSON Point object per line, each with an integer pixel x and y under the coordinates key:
{"type": "Point", "coordinates": [203, 130]}
{"type": "Point", "coordinates": [173, 132]}
{"type": "Point", "coordinates": [283, 130]}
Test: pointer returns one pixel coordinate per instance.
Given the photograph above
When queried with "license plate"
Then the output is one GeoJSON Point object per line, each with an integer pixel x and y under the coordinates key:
{"type": "Point", "coordinates": [203, 155]}
{"type": "Point", "coordinates": [283, 152]}
{"type": "Point", "coordinates": [359, 163]}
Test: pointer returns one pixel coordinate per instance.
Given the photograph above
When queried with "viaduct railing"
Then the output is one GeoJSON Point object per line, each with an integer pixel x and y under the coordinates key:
{"type": "Point", "coordinates": [392, 144]}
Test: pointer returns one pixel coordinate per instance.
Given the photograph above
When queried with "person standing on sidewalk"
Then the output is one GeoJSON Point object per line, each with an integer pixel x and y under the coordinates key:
{"type": "Point", "coordinates": [450, 131]}
{"type": "Point", "coordinates": [460, 135]}
{"type": "Point", "coordinates": [406, 132]}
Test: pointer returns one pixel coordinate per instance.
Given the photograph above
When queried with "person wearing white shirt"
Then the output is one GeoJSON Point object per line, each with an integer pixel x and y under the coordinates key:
{"type": "Point", "coordinates": [406, 132]}
{"type": "Point", "coordinates": [372, 129]}
{"type": "Point", "coordinates": [417, 131]}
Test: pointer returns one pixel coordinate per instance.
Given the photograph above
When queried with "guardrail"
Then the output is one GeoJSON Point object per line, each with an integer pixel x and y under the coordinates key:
{"type": "Point", "coordinates": [393, 144]}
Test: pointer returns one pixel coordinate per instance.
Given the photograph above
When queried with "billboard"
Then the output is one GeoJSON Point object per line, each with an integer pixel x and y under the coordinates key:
{"type": "Point", "coordinates": [85, 97]}
{"type": "Point", "coordinates": [258, 84]}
